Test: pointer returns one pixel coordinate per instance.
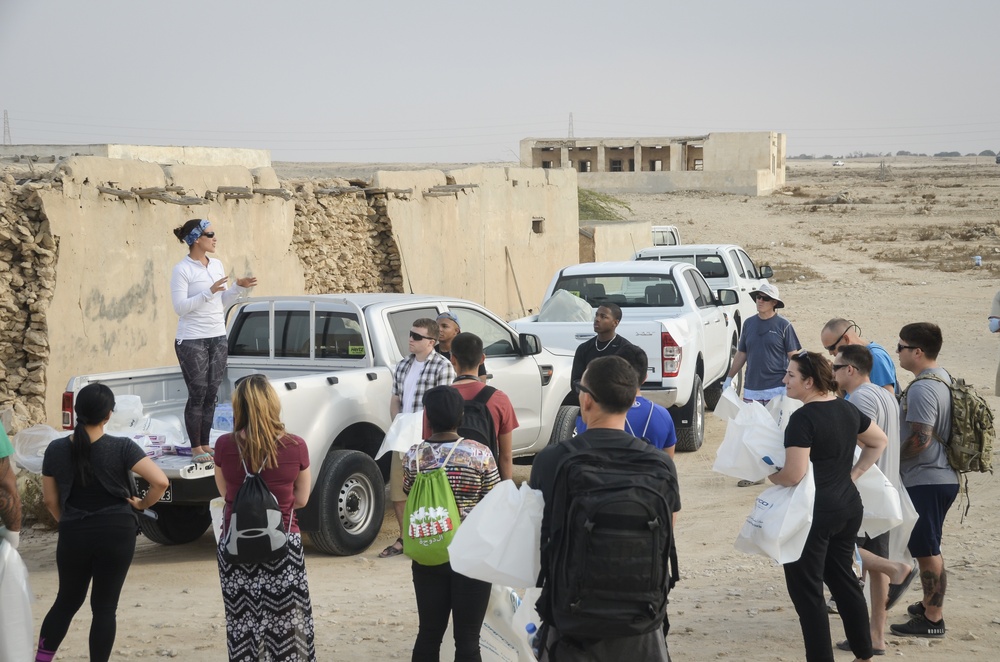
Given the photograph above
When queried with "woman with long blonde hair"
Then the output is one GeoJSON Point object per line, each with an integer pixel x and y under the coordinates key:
{"type": "Point", "coordinates": [267, 604]}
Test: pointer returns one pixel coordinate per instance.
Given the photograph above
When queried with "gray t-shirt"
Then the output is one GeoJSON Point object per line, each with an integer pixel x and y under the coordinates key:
{"type": "Point", "coordinates": [928, 402]}
{"type": "Point", "coordinates": [878, 404]}
{"type": "Point", "coordinates": [111, 458]}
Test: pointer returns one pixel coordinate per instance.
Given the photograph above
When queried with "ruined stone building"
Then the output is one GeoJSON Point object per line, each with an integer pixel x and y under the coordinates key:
{"type": "Point", "coordinates": [751, 163]}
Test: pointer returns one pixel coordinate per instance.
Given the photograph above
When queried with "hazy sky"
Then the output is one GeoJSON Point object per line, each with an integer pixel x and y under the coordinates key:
{"type": "Point", "coordinates": [328, 80]}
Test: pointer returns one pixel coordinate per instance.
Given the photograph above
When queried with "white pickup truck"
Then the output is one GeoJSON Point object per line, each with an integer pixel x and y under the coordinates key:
{"type": "Point", "coordinates": [670, 311]}
{"type": "Point", "coordinates": [330, 358]}
{"type": "Point", "coordinates": [724, 266]}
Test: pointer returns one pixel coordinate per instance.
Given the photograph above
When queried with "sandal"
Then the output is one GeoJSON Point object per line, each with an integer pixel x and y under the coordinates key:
{"type": "Point", "coordinates": [392, 550]}
{"type": "Point", "coordinates": [749, 483]}
{"type": "Point", "coordinates": [202, 458]}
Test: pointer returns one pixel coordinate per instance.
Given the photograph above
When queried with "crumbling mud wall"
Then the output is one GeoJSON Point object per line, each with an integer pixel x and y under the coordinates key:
{"type": "Point", "coordinates": [27, 281]}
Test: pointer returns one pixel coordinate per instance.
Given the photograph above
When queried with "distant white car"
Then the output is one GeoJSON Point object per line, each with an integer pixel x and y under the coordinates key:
{"type": "Point", "coordinates": [838, 163]}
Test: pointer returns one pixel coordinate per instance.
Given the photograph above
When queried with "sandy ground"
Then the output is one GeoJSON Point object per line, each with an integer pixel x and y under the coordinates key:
{"type": "Point", "coordinates": [901, 251]}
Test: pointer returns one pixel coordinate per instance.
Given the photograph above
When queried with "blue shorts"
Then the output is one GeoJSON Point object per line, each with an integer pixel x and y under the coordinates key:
{"type": "Point", "coordinates": [932, 503]}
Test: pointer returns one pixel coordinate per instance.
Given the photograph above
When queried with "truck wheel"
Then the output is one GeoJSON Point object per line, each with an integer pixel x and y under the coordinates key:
{"type": "Point", "coordinates": [351, 503]}
{"type": "Point", "coordinates": [714, 392]}
{"type": "Point", "coordinates": [691, 436]}
{"type": "Point", "coordinates": [565, 425]}
{"type": "Point", "coordinates": [176, 525]}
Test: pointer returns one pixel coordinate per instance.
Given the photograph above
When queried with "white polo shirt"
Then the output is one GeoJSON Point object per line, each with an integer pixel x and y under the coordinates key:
{"type": "Point", "coordinates": [201, 312]}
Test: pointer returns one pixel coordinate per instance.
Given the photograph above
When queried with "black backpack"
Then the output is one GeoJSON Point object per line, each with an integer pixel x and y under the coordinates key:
{"type": "Point", "coordinates": [477, 421]}
{"type": "Point", "coordinates": [256, 532]}
{"type": "Point", "coordinates": [605, 564]}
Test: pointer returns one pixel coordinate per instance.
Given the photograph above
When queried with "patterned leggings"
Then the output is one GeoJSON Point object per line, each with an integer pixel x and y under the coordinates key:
{"type": "Point", "coordinates": [203, 363]}
{"type": "Point", "coordinates": [268, 611]}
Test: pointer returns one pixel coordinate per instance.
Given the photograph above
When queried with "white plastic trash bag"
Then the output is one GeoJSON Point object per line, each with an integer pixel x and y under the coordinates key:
{"type": "Point", "coordinates": [30, 444]}
{"type": "Point", "coordinates": [899, 537]}
{"type": "Point", "coordinates": [405, 432]}
{"type": "Point", "coordinates": [16, 628]}
{"type": "Point", "coordinates": [499, 639]}
{"type": "Point", "coordinates": [729, 404]}
{"type": "Point", "coordinates": [780, 521]}
{"type": "Point", "coordinates": [750, 437]}
{"type": "Point", "coordinates": [217, 507]}
{"type": "Point", "coordinates": [563, 306]}
{"type": "Point", "coordinates": [127, 416]}
{"type": "Point", "coordinates": [883, 510]}
{"type": "Point", "coordinates": [781, 409]}
{"type": "Point", "coordinates": [499, 541]}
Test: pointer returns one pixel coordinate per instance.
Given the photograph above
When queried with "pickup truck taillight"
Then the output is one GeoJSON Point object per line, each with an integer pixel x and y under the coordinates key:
{"type": "Point", "coordinates": [67, 410]}
{"type": "Point", "coordinates": [671, 354]}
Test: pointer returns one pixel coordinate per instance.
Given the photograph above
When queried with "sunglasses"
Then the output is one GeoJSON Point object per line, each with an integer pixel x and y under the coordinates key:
{"type": "Point", "coordinates": [836, 344]}
{"type": "Point", "coordinates": [900, 348]}
{"type": "Point", "coordinates": [762, 297]}
{"type": "Point", "coordinates": [580, 388]}
{"type": "Point", "coordinates": [417, 336]}
{"type": "Point", "coordinates": [210, 235]}
{"type": "Point", "coordinates": [838, 366]}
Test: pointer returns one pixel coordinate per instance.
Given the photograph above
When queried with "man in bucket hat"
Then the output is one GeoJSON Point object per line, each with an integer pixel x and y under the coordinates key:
{"type": "Point", "coordinates": [766, 343]}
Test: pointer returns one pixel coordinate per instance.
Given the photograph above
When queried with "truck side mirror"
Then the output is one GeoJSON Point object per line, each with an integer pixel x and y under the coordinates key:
{"type": "Point", "coordinates": [766, 272]}
{"type": "Point", "coordinates": [727, 298]}
{"type": "Point", "coordinates": [529, 344]}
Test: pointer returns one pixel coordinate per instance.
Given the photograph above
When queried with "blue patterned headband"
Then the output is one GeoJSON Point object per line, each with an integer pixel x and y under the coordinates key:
{"type": "Point", "coordinates": [197, 232]}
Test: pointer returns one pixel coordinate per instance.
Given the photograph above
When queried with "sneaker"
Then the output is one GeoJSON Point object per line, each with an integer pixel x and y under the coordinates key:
{"type": "Point", "coordinates": [919, 626]}
{"type": "Point", "coordinates": [916, 609]}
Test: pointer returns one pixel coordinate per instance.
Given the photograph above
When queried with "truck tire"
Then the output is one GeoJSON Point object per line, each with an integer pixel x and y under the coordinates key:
{"type": "Point", "coordinates": [690, 437]}
{"type": "Point", "coordinates": [565, 424]}
{"type": "Point", "coordinates": [714, 392]}
{"type": "Point", "coordinates": [175, 524]}
{"type": "Point", "coordinates": [351, 498]}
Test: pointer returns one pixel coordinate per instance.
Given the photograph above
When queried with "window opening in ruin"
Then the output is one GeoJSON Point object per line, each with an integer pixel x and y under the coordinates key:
{"type": "Point", "coordinates": [616, 165]}
{"type": "Point", "coordinates": [699, 164]}
{"type": "Point", "coordinates": [538, 224]}
{"type": "Point", "coordinates": [546, 164]}
{"type": "Point", "coordinates": [631, 165]}
{"type": "Point", "coordinates": [584, 166]}
{"type": "Point", "coordinates": [656, 165]}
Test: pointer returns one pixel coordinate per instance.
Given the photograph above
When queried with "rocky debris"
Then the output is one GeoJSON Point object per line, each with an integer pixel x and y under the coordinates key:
{"type": "Point", "coordinates": [842, 198]}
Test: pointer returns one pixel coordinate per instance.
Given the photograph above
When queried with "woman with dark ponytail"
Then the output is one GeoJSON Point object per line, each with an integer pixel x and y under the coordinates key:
{"type": "Point", "coordinates": [87, 486]}
{"type": "Point", "coordinates": [200, 297]}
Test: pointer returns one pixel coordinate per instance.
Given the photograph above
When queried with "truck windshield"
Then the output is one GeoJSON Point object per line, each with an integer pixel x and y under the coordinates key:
{"type": "Point", "coordinates": [710, 265]}
{"type": "Point", "coordinates": [626, 290]}
{"type": "Point", "coordinates": [337, 336]}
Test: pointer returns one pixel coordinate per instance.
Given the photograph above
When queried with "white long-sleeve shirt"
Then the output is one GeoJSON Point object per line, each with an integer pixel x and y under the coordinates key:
{"type": "Point", "coordinates": [201, 312]}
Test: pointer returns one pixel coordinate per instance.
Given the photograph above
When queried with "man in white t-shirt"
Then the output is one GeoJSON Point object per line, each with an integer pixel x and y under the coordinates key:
{"type": "Point", "coordinates": [421, 371]}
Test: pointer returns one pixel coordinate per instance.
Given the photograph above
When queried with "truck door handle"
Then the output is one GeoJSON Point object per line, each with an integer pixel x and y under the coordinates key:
{"type": "Point", "coordinates": [584, 336]}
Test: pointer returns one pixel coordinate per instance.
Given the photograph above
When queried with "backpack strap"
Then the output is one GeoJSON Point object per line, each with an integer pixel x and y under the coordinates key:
{"type": "Point", "coordinates": [443, 464]}
{"type": "Point", "coordinates": [484, 395]}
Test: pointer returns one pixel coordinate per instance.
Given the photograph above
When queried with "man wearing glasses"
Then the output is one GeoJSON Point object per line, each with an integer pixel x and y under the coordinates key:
{"type": "Point", "coordinates": [766, 343]}
{"type": "Point", "coordinates": [888, 579]}
{"type": "Point", "coordinates": [421, 371]}
{"type": "Point", "coordinates": [925, 471]}
{"type": "Point", "coordinates": [839, 333]}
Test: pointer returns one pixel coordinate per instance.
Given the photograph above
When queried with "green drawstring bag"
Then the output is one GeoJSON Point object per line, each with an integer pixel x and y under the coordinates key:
{"type": "Point", "coordinates": [430, 517]}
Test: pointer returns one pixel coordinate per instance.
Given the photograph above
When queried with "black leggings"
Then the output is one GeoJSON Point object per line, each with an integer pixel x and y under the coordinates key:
{"type": "Point", "coordinates": [203, 363]}
{"type": "Point", "coordinates": [98, 548]}
{"type": "Point", "coordinates": [441, 592]}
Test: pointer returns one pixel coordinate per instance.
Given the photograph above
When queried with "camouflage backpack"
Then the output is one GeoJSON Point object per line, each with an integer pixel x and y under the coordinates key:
{"type": "Point", "coordinates": [970, 446]}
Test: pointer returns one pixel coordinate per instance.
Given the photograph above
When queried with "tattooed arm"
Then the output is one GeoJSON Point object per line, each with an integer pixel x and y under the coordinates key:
{"type": "Point", "coordinates": [10, 502]}
{"type": "Point", "coordinates": [921, 436]}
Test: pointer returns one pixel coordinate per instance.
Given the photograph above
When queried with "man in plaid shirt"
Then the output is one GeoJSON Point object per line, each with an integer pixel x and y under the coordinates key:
{"type": "Point", "coordinates": [422, 370]}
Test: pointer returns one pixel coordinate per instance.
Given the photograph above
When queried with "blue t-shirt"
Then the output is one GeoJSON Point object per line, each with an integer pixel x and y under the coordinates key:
{"type": "Point", "coordinates": [883, 370]}
{"type": "Point", "coordinates": [6, 448]}
{"type": "Point", "coordinates": [767, 344]}
{"type": "Point", "coordinates": [645, 420]}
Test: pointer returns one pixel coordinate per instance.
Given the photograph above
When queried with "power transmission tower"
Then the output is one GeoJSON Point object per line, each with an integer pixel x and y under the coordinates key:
{"type": "Point", "coordinates": [6, 130]}
{"type": "Point", "coordinates": [571, 125]}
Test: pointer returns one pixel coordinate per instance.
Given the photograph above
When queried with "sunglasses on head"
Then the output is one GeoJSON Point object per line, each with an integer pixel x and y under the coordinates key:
{"type": "Point", "coordinates": [836, 344]}
{"type": "Point", "coordinates": [210, 235]}
{"type": "Point", "coordinates": [417, 336]}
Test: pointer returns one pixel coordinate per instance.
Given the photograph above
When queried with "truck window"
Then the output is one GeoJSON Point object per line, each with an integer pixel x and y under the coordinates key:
{"type": "Point", "coordinates": [497, 340]}
{"type": "Point", "coordinates": [400, 322]}
{"type": "Point", "coordinates": [338, 335]}
{"type": "Point", "coordinates": [699, 296]}
{"type": "Point", "coordinates": [711, 266]}
{"type": "Point", "coordinates": [750, 266]}
{"type": "Point", "coordinates": [627, 290]}
{"type": "Point", "coordinates": [664, 238]}
{"type": "Point", "coordinates": [735, 259]}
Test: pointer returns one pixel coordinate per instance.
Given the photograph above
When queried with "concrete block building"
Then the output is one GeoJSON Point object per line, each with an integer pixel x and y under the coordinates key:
{"type": "Point", "coordinates": [746, 163]}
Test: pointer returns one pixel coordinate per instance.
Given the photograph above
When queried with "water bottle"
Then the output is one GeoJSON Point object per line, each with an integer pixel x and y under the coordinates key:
{"type": "Point", "coordinates": [533, 642]}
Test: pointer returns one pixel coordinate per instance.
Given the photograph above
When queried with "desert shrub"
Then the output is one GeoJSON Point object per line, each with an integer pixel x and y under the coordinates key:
{"type": "Point", "coordinates": [596, 206]}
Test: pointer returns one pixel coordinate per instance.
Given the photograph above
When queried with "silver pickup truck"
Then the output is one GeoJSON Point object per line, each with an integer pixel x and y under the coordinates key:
{"type": "Point", "coordinates": [330, 358]}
